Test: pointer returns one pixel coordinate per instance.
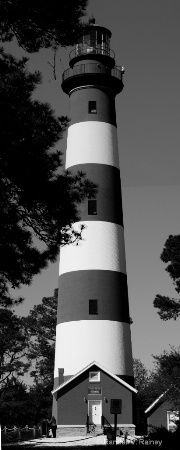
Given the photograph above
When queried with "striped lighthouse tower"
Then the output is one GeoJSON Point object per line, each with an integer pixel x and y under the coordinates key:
{"type": "Point", "coordinates": [93, 313]}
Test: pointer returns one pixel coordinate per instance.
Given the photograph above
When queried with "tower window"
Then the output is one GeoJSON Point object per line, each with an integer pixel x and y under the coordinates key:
{"type": "Point", "coordinates": [93, 307]}
{"type": "Point", "coordinates": [92, 207]}
{"type": "Point", "coordinates": [92, 108]}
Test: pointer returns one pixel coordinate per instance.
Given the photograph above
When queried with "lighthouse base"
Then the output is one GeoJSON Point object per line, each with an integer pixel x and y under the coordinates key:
{"type": "Point", "coordinates": [82, 403]}
{"type": "Point", "coordinates": [82, 430]}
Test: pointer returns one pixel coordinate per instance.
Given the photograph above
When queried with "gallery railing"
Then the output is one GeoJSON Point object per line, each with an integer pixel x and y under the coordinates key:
{"type": "Point", "coordinates": [95, 68]}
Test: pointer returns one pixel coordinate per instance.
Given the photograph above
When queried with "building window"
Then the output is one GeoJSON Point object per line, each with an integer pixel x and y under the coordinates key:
{"type": "Point", "coordinates": [93, 307]}
{"type": "Point", "coordinates": [92, 108]}
{"type": "Point", "coordinates": [172, 417]}
{"type": "Point", "coordinates": [92, 207]}
{"type": "Point", "coordinates": [94, 377]}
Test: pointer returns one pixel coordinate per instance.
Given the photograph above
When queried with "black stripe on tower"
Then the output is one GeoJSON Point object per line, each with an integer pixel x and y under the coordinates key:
{"type": "Point", "coordinates": [105, 105]}
{"type": "Point", "coordinates": [108, 198]}
{"type": "Point", "coordinates": [78, 287]}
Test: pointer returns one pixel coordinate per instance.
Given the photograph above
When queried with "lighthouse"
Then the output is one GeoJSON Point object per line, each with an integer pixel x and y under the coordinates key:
{"type": "Point", "coordinates": [93, 356]}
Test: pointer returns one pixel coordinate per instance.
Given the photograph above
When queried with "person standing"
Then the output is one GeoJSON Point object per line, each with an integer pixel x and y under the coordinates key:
{"type": "Point", "coordinates": [53, 426]}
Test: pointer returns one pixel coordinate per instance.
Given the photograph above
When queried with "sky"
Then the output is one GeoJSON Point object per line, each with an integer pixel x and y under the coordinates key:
{"type": "Point", "coordinates": [145, 38]}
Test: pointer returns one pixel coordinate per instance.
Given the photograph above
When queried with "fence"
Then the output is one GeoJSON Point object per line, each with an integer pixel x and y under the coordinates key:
{"type": "Point", "coordinates": [16, 434]}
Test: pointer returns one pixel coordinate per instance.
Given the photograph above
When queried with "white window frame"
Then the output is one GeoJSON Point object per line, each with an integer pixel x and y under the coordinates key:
{"type": "Point", "coordinates": [94, 380]}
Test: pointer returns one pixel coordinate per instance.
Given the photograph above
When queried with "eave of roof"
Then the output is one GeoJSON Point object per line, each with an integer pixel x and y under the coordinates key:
{"type": "Point", "coordinates": [119, 380]}
{"type": "Point", "coordinates": [155, 402]}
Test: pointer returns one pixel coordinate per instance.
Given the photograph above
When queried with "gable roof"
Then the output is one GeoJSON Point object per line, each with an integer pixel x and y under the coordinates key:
{"type": "Point", "coordinates": [155, 402]}
{"type": "Point", "coordinates": [119, 380]}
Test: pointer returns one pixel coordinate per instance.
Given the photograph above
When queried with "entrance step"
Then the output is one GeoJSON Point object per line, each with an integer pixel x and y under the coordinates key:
{"type": "Point", "coordinates": [98, 430]}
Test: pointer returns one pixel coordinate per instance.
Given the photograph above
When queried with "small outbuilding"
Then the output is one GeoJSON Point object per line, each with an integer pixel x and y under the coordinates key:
{"type": "Point", "coordinates": [85, 399]}
{"type": "Point", "coordinates": [161, 414]}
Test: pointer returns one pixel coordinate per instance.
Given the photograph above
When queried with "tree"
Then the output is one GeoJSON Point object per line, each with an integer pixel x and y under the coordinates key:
{"type": "Point", "coordinates": [166, 376]}
{"type": "Point", "coordinates": [36, 200]}
{"type": "Point", "coordinates": [163, 379]}
{"type": "Point", "coordinates": [14, 405]}
{"type": "Point", "coordinates": [140, 374]}
{"type": "Point", "coordinates": [42, 23]}
{"type": "Point", "coordinates": [13, 347]}
{"type": "Point", "coordinates": [41, 325]}
{"type": "Point", "coordinates": [40, 402]}
{"type": "Point", "coordinates": [169, 308]}
{"type": "Point", "coordinates": [141, 381]}
{"type": "Point", "coordinates": [26, 342]}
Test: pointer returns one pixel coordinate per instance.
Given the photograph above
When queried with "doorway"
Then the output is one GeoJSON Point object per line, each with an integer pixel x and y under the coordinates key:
{"type": "Point", "coordinates": [95, 411]}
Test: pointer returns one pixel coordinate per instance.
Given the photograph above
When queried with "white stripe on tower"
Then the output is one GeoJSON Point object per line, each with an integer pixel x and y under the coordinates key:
{"type": "Point", "coordinates": [101, 248]}
{"type": "Point", "coordinates": [85, 334]}
{"type": "Point", "coordinates": [92, 142]}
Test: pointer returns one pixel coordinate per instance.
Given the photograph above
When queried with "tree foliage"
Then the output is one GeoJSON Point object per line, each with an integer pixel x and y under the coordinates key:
{"type": "Point", "coordinates": [14, 405]}
{"type": "Point", "coordinates": [163, 379]}
{"type": "Point", "coordinates": [171, 253]}
{"type": "Point", "coordinates": [166, 376]}
{"type": "Point", "coordinates": [27, 343]}
{"type": "Point", "coordinates": [36, 200]}
{"type": "Point", "coordinates": [41, 325]}
{"type": "Point", "coordinates": [13, 347]}
{"type": "Point", "coordinates": [169, 308]}
{"type": "Point", "coordinates": [40, 402]}
{"type": "Point", "coordinates": [141, 380]}
{"type": "Point", "coordinates": [20, 406]}
{"type": "Point", "coordinates": [140, 374]}
{"type": "Point", "coordinates": [42, 23]}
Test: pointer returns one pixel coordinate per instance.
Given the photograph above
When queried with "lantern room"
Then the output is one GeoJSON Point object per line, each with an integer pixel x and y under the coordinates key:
{"type": "Point", "coordinates": [95, 40]}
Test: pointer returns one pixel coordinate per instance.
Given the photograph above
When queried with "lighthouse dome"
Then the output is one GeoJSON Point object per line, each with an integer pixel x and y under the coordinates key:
{"type": "Point", "coordinates": [94, 42]}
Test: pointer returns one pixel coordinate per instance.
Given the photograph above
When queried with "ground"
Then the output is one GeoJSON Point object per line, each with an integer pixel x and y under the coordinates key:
{"type": "Point", "coordinates": [81, 442]}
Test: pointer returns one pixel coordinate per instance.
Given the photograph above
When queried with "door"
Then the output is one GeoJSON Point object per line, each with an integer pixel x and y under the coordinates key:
{"type": "Point", "coordinates": [95, 411]}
